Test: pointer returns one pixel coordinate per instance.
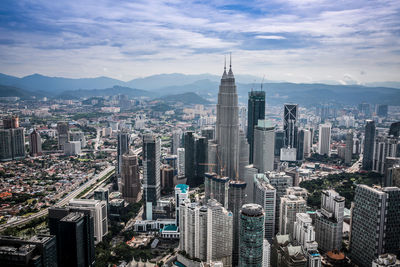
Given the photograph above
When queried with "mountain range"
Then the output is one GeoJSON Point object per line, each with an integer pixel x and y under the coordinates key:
{"type": "Point", "coordinates": [204, 85]}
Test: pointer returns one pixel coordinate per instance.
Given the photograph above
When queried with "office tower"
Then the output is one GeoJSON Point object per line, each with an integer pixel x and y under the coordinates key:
{"type": "Point", "coordinates": [201, 160]}
{"type": "Point", "coordinates": [190, 150]}
{"type": "Point", "coordinates": [280, 181]}
{"type": "Point", "coordinates": [78, 136]}
{"type": "Point", "coordinates": [284, 253]}
{"type": "Point", "coordinates": [266, 253]}
{"type": "Point", "coordinates": [392, 174]}
{"type": "Point", "coordinates": [255, 112]}
{"type": "Point", "coordinates": [209, 133]}
{"type": "Point", "coordinates": [375, 224]}
{"type": "Point", "coordinates": [11, 122]}
{"type": "Point", "coordinates": [324, 140]}
{"type": "Point", "coordinates": [264, 141]}
{"type": "Point", "coordinates": [101, 194]}
{"type": "Point", "coordinates": [297, 191]}
{"type": "Point", "coordinates": [40, 250]}
{"type": "Point", "coordinates": [329, 221]}
{"type": "Point", "coordinates": [279, 142]}
{"type": "Point", "coordinates": [181, 195]}
{"type": "Point", "coordinates": [307, 142]}
{"type": "Point", "coordinates": [181, 162]}
{"type": "Point", "coordinates": [74, 233]}
{"type": "Point", "coordinates": [122, 148]}
{"type": "Point", "coordinates": [130, 180]}
{"type": "Point", "coordinates": [300, 145]}
{"type": "Point", "coordinates": [63, 133]}
{"type": "Point", "coordinates": [265, 195]}
{"type": "Point", "coordinates": [99, 210]}
{"type": "Point", "coordinates": [12, 141]}
{"type": "Point", "coordinates": [206, 231]}
{"type": "Point", "coordinates": [382, 110]}
{"type": "Point", "coordinates": [349, 148]}
{"type": "Point", "coordinates": [290, 205]}
{"type": "Point", "coordinates": [235, 203]}
{"type": "Point", "coordinates": [151, 173]}
{"type": "Point", "coordinates": [72, 148]}
{"type": "Point", "coordinates": [368, 145]}
{"type": "Point", "coordinates": [395, 129]}
{"type": "Point", "coordinates": [166, 178]}
{"type": "Point", "coordinates": [251, 240]}
{"type": "Point", "coordinates": [249, 174]}
{"type": "Point", "coordinates": [217, 188]}
{"type": "Point", "coordinates": [176, 141]}
{"type": "Point", "coordinates": [243, 155]}
{"type": "Point", "coordinates": [227, 125]}
{"type": "Point", "coordinates": [384, 147]}
{"type": "Point", "coordinates": [290, 114]}
{"type": "Point", "coordinates": [35, 144]}
{"type": "Point", "coordinates": [304, 235]}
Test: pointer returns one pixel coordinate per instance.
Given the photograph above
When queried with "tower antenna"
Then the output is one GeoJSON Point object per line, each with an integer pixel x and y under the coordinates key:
{"type": "Point", "coordinates": [262, 82]}
{"type": "Point", "coordinates": [224, 62]}
{"type": "Point", "coordinates": [230, 60]}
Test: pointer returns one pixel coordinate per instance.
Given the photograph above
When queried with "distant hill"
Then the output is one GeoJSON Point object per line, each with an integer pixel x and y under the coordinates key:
{"type": "Point", "coordinates": [188, 98]}
{"type": "Point", "coordinates": [206, 86]}
{"type": "Point", "coordinates": [7, 91]}
{"type": "Point", "coordinates": [115, 90]}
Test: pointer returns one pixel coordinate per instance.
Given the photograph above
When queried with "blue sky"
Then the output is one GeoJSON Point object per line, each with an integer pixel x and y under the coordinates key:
{"type": "Point", "coordinates": [292, 40]}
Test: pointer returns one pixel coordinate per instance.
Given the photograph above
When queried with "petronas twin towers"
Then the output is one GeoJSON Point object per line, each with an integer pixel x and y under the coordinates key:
{"type": "Point", "coordinates": [227, 126]}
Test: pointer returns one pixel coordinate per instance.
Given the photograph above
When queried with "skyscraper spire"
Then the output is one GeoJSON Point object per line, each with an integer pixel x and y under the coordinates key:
{"type": "Point", "coordinates": [224, 63]}
{"type": "Point", "coordinates": [230, 60]}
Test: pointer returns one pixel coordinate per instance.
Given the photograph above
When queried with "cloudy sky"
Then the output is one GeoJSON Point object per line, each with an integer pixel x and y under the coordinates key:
{"type": "Point", "coordinates": [355, 41]}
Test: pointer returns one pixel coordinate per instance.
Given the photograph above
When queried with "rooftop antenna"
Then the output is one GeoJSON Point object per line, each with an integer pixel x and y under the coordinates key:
{"type": "Point", "coordinates": [230, 60]}
{"type": "Point", "coordinates": [262, 83]}
{"type": "Point", "coordinates": [225, 63]}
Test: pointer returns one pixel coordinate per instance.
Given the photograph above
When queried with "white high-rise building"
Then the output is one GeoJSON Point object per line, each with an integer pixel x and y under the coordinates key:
{"type": "Point", "coordinates": [307, 142]}
{"type": "Point", "coordinates": [266, 253]}
{"type": "Point", "coordinates": [265, 196]}
{"type": "Point", "coordinates": [181, 195]}
{"type": "Point", "coordinates": [264, 145]}
{"type": "Point", "coordinates": [206, 231]}
{"type": "Point", "coordinates": [181, 161]}
{"type": "Point", "coordinates": [324, 140]}
{"type": "Point", "coordinates": [289, 207]}
{"type": "Point", "coordinates": [99, 209]}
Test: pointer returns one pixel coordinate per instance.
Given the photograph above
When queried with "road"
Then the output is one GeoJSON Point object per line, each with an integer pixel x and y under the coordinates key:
{"type": "Point", "coordinates": [356, 166]}
{"type": "Point", "coordinates": [61, 203]}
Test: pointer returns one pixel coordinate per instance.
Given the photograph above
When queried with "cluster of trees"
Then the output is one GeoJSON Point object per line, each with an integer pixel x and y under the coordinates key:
{"type": "Point", "coordinates": [344, 183]}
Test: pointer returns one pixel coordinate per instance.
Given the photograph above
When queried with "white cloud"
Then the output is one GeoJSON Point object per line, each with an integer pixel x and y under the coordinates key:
{"type": "Point", "coordinates": [270, 37]}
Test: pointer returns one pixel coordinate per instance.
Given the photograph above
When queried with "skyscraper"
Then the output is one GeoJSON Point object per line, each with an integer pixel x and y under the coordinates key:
{"type": "Point", "coordinates": [265, 195]}
{"type": "Point", "coordinates": [181, 162]}
{"type": "Point", "coordinates": [384, 147]}
{"type": "Point", "coordinates": [190, 154]}
{"type": "Point", "coordinates": [235, 203]}
{"type": "Point", "coordinates": [227, 125]}
{"type": "Point", "coordinates": [35, 143]}
{"type": "Point", "coordinates": [300, 145]}
{"type": "Point", "coordinates": [290, 113]}
{"type": "Point", "coordinates": [324, 139]}
{"type": "Point", "coordinates": [368, 145]}
{"type": "Point", "coordinates": [251, 240]}
{"type": "Point", "coordinates": [181, 194]}
{"type": "Point", "coordinates": [216, 187]}
{"type": "Point", "coordinates": [63, 134]}
{"type": "Point", "coordinates": [255, 112]}
{"type": "Point", "coordinates": [243, 155]}
{"type": "Point", "coordinates": [279, 142]}
{"type": "Point", "coordinates": [130, 180]}
{"type": "Point", "coordinates": [151, 173]}
{"type": "Point", "coordinates": [349, 148]}
{"type": "Point", "coordinates": [12, 140]}
{"type": "Point", "coordinates": [375, 224]}
{"type": "Point", "coordinates": [122, 148]}
{"type": "Point", "coordinates": [264, 141]}
{"type": "Point", "coordinates": [206, 231]}
{"type": "Point", "coordinates": [329, 221]}
{"type": "Point", "coordinates": [201, 149]}
{"type": "Point", "coordinates": [307, 142]}
{"type": "Point", "coordinates": [175, 141]}
{"type": "Point", "coordinates": [290, 206]}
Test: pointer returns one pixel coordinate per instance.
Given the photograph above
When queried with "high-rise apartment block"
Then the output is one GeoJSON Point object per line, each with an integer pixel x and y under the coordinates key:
{"type": "Point", "coordinates": [324, 139]}
{"type": "Point", "coordinates": [35, 144]}
{"type": "Point", "coordinates": [290, 205]}
{"type": "Point", "coordinates": [130, 180]}
{"type": "Point", "coordinates": [329, 221]}
{"type": "Point", "coordinates": [63, 134]}
{"type": "Point", "coordinates": [206, 231]}
{"type": "Point", "coordinates": [264, 141]}
{"type": "Point", "coordinates": [12, 140]}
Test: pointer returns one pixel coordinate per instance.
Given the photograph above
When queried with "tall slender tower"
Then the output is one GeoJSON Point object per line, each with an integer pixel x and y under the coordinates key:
{"type": "Point", "coordinates": [256, 111]}
{"type": "Point", "coordinates": [227, 126]}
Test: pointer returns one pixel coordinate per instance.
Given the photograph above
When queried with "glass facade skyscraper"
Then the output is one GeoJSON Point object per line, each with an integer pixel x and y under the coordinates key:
{"type": "Point", "coordinates": [251, 239]}
{"type": "Point", "coordinates": [255, 112]}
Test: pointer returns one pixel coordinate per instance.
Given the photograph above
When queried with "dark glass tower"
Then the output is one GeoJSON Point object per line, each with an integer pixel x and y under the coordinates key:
{"type": "Point", "coordinates": [122, 148]}
{"type": "Point", "coordinates": [189, 144]}
{"type": "Point", "coordinates": [300, 145]}
{"type": "Point", "coordinates": [290, 114]}
{"type": "Point", "coordinates": [279, 142]}
{"type": "Point", "coordinates": [201, 159]}
{"type": "Point", "coordinates": [368, 145]}
{"type": "Point", "coordinates": [251, 236]}
{"type": "Point", "coordinates": [255, 112]}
